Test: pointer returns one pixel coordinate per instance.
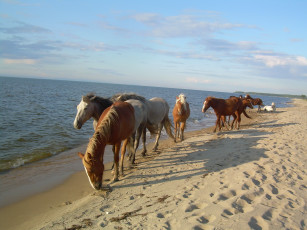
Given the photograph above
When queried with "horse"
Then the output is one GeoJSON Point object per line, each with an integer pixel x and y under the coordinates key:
{"type": "Point", "coordinates": [93, 106]}
{"type": "Point", "coordinates": [181, 113]}
{"type": "Point", "coordinates": [116, 124]}
{"type": "Point", "coordinates": [140, 114]}
{"type": "Point", "coordinates": [255, 101]}
{"type": "Point", "coordinates": [222, 108]}
{"type": "Point", "coordinates": [245, 103]}
{"type": "Point", "coordinates": [157, 113]}
{"type": "Point", "coordinates": [157, 118]}
{"type": "Point", "coordinates": [270, 108]}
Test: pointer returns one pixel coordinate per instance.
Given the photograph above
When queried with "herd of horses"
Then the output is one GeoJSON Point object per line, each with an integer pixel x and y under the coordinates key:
{"type": "Point", "coordinates": [122, 120]}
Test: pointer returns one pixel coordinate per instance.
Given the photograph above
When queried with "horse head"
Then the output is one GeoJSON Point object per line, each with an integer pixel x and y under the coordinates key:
{"type": "Point", "coordinates": [182, 98]}
{"type": "Point", "coordinates": [207, 104]}
{"type": "Point", "coordinates": [247, 102]}
{"type": "Point", "coordinates": [94, 169]}
{"type": "Point", "coordinates": [85, 111]}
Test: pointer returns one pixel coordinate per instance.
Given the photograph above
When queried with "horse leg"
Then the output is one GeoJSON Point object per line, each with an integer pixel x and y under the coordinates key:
{"type": "Point", "coordinates": [238, 120]}
{"type": "Point", "coordinates": [158, 137]}
{"type": "Point", "coordinates": [216, 123]}
{"type": "Point", "coordinates": [176, 127]}
{"type": "Point", "coordinates": [234, 119]}
{"type": "Point", "coordinates": [130, 154]}
{"type": "Point", "coordinates": [121, 165]}
{"type": "Point", "coordinates": [113, 150]}
{"type": "Point", "coordinates": [137, 141]}
{"type": "Point", "coordinates": [144, 142]}
{"type": "Point", "coordinates": [224, 122]}
{"type": "Point", "coordinates": [116, 159]}
{"type": "Point", "coordinates": [182, 126]}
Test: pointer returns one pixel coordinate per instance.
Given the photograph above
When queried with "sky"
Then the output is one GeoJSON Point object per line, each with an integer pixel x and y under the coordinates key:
{"type": "Point", "coordinates": [220, 45]}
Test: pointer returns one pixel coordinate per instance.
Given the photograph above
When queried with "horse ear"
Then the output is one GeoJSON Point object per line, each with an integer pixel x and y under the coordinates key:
{"type": "Point", "coordinates": [81, 155]}
{"type": "Point", "coordinates": [85, 99]}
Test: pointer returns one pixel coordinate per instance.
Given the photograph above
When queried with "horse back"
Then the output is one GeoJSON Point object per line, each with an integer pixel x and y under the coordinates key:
{"type": "Point", "coordinates": [123, 126]}
{"type": "Point", "coordinates": [157, 110]}
{"type": "Point", "coordinates": [226, 107]}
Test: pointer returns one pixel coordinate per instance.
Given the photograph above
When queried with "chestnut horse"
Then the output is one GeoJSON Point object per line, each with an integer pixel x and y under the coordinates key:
{"type": "Point", "coordinates": [116, 124]}
{"type": "Point", "coordinates": [255, 101]}
{"type": "Point", "coordinates": [181, 113]}
{"type": "Point", "coordinates": [223, 108]}
{"type": "Point", "coordinates": [245, 103]}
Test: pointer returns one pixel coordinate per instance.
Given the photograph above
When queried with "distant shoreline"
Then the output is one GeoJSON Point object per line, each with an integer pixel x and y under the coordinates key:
{"type": "Point", "coordinates": [273, 94]}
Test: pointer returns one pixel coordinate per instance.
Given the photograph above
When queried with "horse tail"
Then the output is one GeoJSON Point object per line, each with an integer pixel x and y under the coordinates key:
{"type": "Point", "coordinates": [244, 112]}
{"type": "Point", "coordinates": [168, 127]}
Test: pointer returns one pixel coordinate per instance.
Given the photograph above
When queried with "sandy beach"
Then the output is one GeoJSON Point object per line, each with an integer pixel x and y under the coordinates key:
{"type": "Point", "coordinates": [254, 178]}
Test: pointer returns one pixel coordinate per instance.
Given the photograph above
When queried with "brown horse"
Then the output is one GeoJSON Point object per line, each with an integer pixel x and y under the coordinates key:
{"type": "Point", "coordinates": [223, 108]}
{"type": "Point", "coordinates": [255, 101]}
{"type": "Point", "coordinates": [245, 103]}
{"type": "Point", "coordinates": [116, 124]}
{"type": "Point", "coordinates": [181, 113]}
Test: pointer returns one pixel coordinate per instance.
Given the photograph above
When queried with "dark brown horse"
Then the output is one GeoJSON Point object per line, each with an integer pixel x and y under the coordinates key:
{"type": "Point", "coordinates": [181, 113]}
{"type": "Point", "coordinates": [255, 101]}
{"type": "Point", "coordinates": [223, 108]}
{"type": "Point", "coordinates": [245, 103]}
{"type": "Point", "coordinates": [116, 124]}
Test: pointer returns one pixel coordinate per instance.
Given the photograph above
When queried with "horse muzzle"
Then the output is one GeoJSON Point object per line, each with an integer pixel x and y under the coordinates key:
{"type": "Point", "coordinates": [77, 125]}
{"type": "Point", "coordinates": [97, 185]}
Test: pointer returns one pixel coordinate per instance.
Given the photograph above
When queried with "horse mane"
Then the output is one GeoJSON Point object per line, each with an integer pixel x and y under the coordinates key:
{"type": "Point", "coordinates": [103, 130]}
{"type": "Point", "coordinates": [104, 102]}
{"type": "Point", "coordinates": [127, 96]}
{"type": "Point", "coordinates": [182, 99]}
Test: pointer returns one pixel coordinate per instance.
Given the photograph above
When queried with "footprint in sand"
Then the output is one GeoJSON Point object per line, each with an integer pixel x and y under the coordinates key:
{"type": "Point", "coordinates": [228, 212]}
{"type": "Point", "coordinates": [268, 215]}
{"type": "Point", "coordinates": [274, 189]}
{"type": "Point", "coordinates": [257, 223]}
{"type": "Point", "coordinates": [225, 196]}
{"type": "Point", "coordinates": [205, 219]}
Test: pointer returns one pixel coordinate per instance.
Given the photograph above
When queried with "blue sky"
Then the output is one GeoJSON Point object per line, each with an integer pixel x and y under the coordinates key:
{"type": "Point", "coordinates": [208, 45]}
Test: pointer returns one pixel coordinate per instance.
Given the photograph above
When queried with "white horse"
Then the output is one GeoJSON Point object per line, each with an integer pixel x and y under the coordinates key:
{"type": "Point", "coordinates": [157, 118]}
{"type": "Point", "coordinates": [270, 108]}
{"type": "Point", "coordinates": [140, 114]}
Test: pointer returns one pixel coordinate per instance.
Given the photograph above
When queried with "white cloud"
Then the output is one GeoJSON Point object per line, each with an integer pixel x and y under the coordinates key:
{"type": "Point", "coordinates": [20, 61]}
{"type": "Point", "coordinates": [196, 80]}
{"type": "Point", "coordinates": [273, 60]}
{"type": "Point", "coordinates": [181, 25]}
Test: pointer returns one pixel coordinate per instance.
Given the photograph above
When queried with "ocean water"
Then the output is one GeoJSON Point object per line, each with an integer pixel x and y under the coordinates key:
{"type": "Point", "coordinates": [37, 115]}
{"type": "Point", "coordinates": [38, 143]}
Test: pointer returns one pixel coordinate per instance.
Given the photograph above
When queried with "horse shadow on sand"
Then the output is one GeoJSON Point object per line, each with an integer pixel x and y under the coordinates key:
{"type": "Point", "coordinates": [222, 151]}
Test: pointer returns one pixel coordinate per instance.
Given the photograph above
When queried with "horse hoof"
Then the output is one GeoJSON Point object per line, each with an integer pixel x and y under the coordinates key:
{"type": "Point", "coordinates": [143, 153]}
{"type": "Point", "coordinates": [114, 180]}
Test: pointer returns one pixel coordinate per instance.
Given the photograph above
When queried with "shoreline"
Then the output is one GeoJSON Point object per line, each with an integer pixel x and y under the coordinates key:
{"type": "Point", "coordinates": [67, 190]}
{"type": "Point", "coordinates": [254, 178]}
{"type": "Point", "coordinates": [55, 171]}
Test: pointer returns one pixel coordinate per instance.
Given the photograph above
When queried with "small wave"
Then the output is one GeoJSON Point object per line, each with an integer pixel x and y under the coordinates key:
{"type": "Point", "coordinates": [26, 159]}
{"type": "Point", "coordinates": [21, 139]}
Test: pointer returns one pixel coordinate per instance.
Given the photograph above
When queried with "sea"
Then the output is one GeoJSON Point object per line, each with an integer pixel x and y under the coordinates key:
{"type": "Point", "coordinates": [38, 143]}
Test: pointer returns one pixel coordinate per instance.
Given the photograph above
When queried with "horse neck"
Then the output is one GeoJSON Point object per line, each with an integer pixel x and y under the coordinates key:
{"type": "Point", "coordinates": [96, 146]}
{"type": "Point", "coordinates": [99, 107]}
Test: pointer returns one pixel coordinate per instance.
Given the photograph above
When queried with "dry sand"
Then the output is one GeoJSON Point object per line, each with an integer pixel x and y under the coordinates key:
{"type": "Point", "coordinates": [254, 178]}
